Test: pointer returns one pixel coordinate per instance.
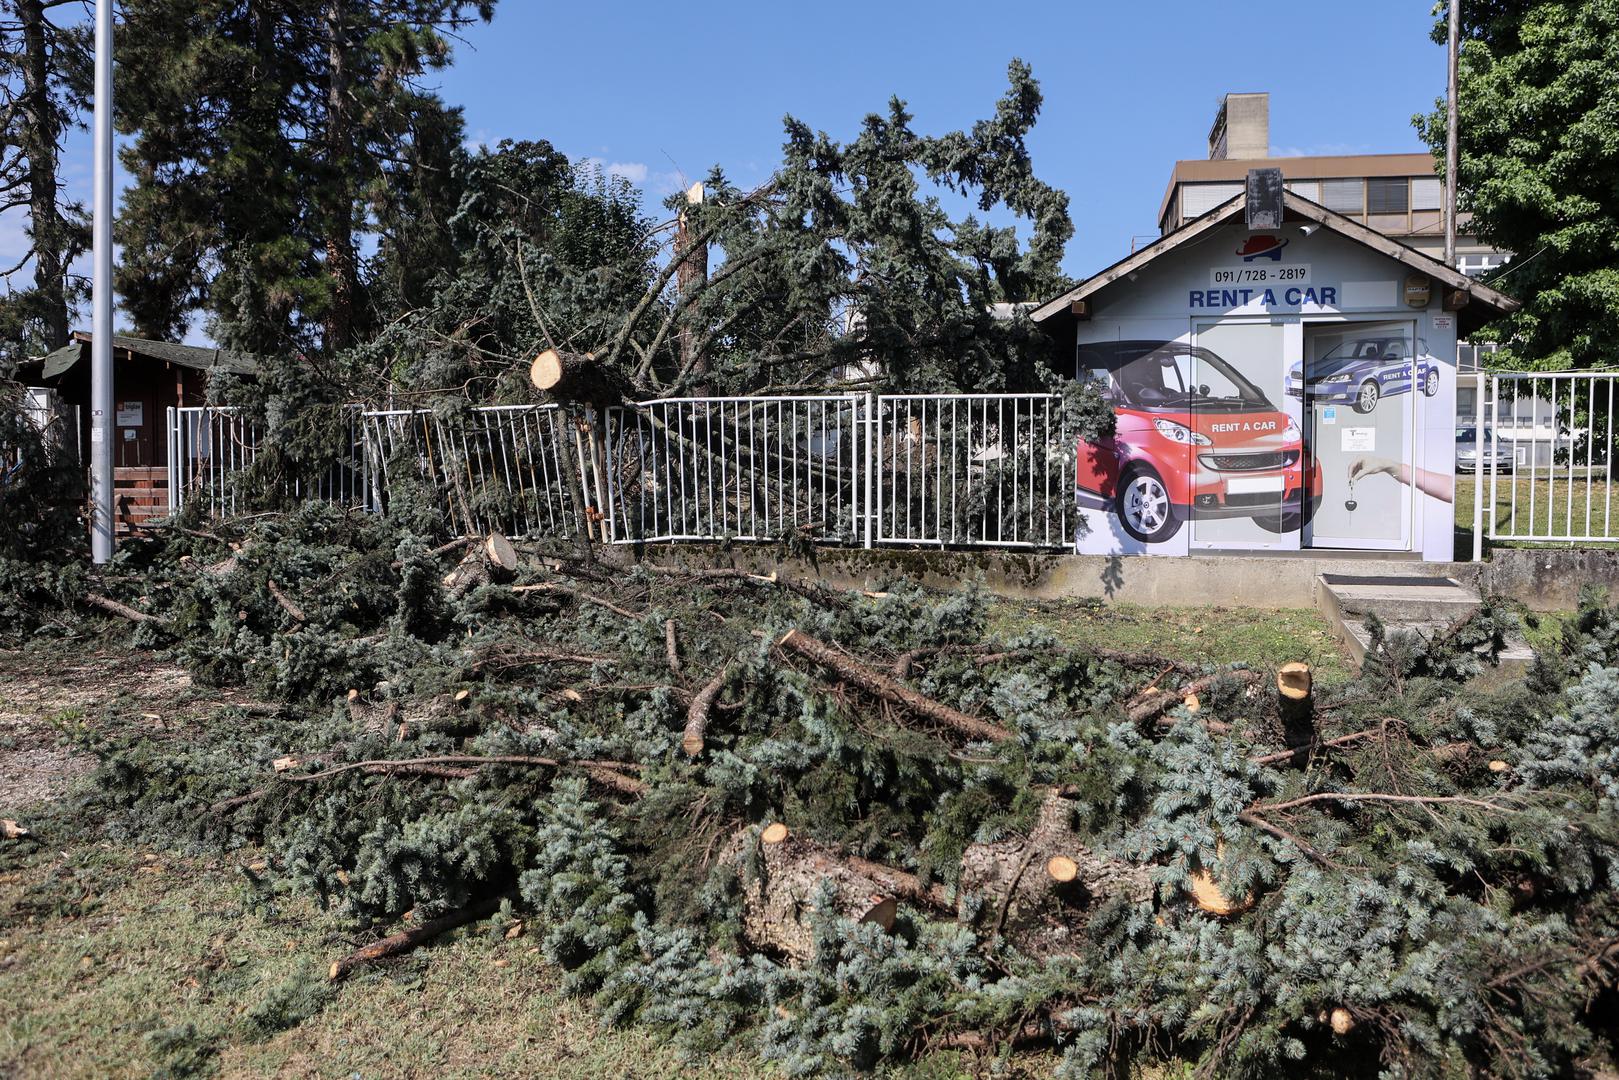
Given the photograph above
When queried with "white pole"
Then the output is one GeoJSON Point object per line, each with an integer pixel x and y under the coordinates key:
{"type": "Point", "coordinates": [101, 388]}
{"type": "Point", "coordinates": [1453, 53]}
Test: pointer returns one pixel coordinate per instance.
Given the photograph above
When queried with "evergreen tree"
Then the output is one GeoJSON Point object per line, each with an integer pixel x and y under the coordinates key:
{"type": "Point", "coordinates": [44, 88]}
{"type": "Point", "coordinates": [1538, 111]}
{"type": "Point", "coordinates": [844, 267]}
{"type": "Point", "coordinates": [265, 134]}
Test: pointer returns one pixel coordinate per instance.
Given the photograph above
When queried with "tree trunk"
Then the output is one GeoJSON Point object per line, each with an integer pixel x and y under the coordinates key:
{"type": "Point", "coordinates": [577, 377]}
{"type": "Point", "coordinates": [341, 265]}
{"type": "Point", "coordinates": [692, 275]}
{"type": "Point", "coordinates": [40, 134]}
{"type": "Point", "coordinates": [778, 900]}
{"type": "Point", "coordinates": [1036, 890]}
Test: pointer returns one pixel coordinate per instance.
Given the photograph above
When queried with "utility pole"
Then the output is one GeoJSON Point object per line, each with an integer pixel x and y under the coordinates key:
{"type": "Point", "coordinates": [1450, 132]}
{"type": "Point", "coordinates": [101, 389]}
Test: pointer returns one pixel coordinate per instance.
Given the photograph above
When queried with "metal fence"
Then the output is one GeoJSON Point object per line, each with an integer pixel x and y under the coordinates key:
{"type": "Point", "coordinates": [973, 469]}
{"type": "Point", "coordinates": [853, 469]}
{"type": "Point", "coordinates": [739, 468]}
{"type": "Point", "coordinates": [496, 468]}
{"type": "Point", "coordinates": [1540, 447]}
{"type": "Point", "coordinates": [211, 450]}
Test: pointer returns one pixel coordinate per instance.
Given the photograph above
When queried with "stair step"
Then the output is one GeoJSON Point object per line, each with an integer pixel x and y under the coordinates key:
{"type": "Point", "coordinates": [1424, 605]}
{"type": "Point", "coordinates": [1398, 599]}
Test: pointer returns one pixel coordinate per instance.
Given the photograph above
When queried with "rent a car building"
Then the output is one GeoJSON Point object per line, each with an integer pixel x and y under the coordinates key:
{"type": "Point", "coordinates": [1282, 378]}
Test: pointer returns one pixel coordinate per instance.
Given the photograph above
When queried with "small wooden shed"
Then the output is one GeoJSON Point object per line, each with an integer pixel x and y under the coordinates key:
{"type": "Point", "coordinates": [149, 377]}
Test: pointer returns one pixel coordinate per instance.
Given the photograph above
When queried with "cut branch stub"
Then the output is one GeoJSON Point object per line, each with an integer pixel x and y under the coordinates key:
{"type": "Point", "coordinates": [577, 377]}
{"type": "Point", "coordinates": [1294, 702]}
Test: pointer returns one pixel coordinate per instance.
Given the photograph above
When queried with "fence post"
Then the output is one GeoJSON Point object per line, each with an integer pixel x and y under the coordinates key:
{"type": "Point", "coordinates": [870, 507]}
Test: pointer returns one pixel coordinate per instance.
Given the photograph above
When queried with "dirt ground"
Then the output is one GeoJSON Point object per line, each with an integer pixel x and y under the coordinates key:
{"type": "Point", "coordinates": [45, 691]}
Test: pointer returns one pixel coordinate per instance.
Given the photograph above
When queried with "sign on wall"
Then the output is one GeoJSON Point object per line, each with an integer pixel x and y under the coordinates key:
{"type": "Point", "coordinates": [130, 414]}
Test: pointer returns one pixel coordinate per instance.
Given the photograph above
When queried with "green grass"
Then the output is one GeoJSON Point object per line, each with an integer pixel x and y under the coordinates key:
{"type": "Point", "coordinates": [1205, 635]}
{"type": "Point", "coordinates": [1552, 512]}
{"type": "Point", "coordinates": [120, 963]}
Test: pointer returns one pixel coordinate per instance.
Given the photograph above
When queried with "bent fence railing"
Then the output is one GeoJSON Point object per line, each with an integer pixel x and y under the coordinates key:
{"type": "Point", "coordinates": [498, 468]}
{"type": "Point", "coordinates": [739, 468]}
{"type": "Point", "coordinates": [1539, 448]}
{"type": "Point", "coordinates": [852, 469]}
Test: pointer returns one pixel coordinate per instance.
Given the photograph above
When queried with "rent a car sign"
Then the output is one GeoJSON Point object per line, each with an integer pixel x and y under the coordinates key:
{"type": "Point", "coordinates": [1262, 280]}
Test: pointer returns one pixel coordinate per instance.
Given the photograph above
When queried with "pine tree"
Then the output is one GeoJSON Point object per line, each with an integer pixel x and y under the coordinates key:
{"type": "Point", "coordinates": [44, 90]}
{"type": "Point", "coordinates": [261, 133]}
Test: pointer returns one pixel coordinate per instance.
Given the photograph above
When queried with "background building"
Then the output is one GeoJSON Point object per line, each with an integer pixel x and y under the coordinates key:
{"type": "Point", "coordinates": [1399, 195]}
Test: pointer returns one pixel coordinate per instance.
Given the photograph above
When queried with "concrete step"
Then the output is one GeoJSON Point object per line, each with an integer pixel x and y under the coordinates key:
{"type": "Point", "coordinates": [1405, 604]}
{"type": "Point", "coordinates": [1516, 656]}
{"type": "Point", "coordinates": [1396, 599]}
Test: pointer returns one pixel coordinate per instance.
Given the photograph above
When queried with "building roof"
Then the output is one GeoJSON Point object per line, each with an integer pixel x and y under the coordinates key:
{"type": "Point", "coordinates": [1197, 170]}
{"type": "Point", "coordinates": [1297, 208]}
{"type": "Point", "coordinates": [196, 357]}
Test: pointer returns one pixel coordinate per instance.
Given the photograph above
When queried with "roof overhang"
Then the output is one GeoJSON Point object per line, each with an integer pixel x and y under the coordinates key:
{"type": "Point", "coordinates": [1297, 208]}
{"type": "Point", "coordinates": [60, 361]}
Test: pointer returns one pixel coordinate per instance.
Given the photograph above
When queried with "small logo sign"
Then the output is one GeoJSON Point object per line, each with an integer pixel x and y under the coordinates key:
{"type": "Point", "coordinates": [1329, 415]}
{"type": "Point", "coordinates": [1262, 247]}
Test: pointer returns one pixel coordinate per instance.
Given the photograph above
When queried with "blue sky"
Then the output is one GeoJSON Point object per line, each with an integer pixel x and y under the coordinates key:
{"type": "Point", "coordinates": [661, 92]}
{"type": "Point", "coordinates": [664, 91]}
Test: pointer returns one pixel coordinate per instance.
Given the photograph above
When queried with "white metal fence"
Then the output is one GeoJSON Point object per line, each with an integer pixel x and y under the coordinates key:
{"type": "Point", "coordinates": [1539, 448]}
{"type": "Point", "coordinates": [974, 469]}
{"type": "Point", "coordinates": [854, 469]}
{"type": "Point", "coordinates": [211, 450]}
{"type": "Point", "coordinates": [496, 468]}
{"type": "Point", "coordinates": [739, 468]}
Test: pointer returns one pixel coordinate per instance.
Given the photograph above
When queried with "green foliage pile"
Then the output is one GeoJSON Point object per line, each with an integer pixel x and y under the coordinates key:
{"type": "Point", "coordinates": [1415, 908]}
{"type": "Point", "coordinates": [42, 542]}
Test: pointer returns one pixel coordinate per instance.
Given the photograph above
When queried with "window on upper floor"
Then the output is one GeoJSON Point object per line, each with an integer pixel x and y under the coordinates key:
{"type": "Point", "coordinates": [1388, 195]}
{"type": "Point", "coordinates": [1344, 196]}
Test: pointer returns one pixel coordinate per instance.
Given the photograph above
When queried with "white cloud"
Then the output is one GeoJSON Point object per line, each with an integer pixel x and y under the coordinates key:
{"type": "Point", "coordinates": [633, 171]}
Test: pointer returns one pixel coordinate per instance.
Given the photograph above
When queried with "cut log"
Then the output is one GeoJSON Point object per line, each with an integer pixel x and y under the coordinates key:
{"type": "Point", "coordinates": [123, 611]}
{"type": "Point", "coordinates": [405, 940]}
{"type": "Point", "coordinates": [778, 900]}
{"type": "Point", "coordinates": [1207, 894]}
{"type": "Point", "coordinates": [1036, 890]}
{"type": "Point", "coordinates": [577, 377]}
{"type": "Point", "coordinates": [492, 560]}
{"type": "Point", "coordinates": [500, 553]}
{"type": "Point", "coordinates": [671, 653]}
{"type": "Point", "coordinates": [880, 685]}
{"type": "Point", "coordinates": [11, 830]}
{"type": "Point", "coordinates": [774, 833]}
{"type": "Point", "coordinates": [697, 714]}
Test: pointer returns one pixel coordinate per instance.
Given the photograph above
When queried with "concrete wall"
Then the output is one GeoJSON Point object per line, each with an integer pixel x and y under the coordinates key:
{"type": "Point", "coordinates": [1545, 580]}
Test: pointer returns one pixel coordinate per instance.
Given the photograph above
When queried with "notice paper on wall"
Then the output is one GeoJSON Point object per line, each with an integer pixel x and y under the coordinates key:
{"type": "Point", "coordinates": [1359, 440]}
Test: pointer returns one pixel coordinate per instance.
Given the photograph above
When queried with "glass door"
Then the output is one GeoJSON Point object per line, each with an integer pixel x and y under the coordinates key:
{"type": "Point", "coordinates": [1357, 382]}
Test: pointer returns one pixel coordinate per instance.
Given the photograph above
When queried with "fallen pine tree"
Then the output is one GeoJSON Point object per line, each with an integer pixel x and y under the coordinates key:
{"type": "Point", "coordinates": [849, 827]}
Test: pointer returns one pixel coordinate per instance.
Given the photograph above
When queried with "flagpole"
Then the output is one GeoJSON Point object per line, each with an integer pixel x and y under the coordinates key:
{"type": "Point", "coordinates": [101, 377]}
